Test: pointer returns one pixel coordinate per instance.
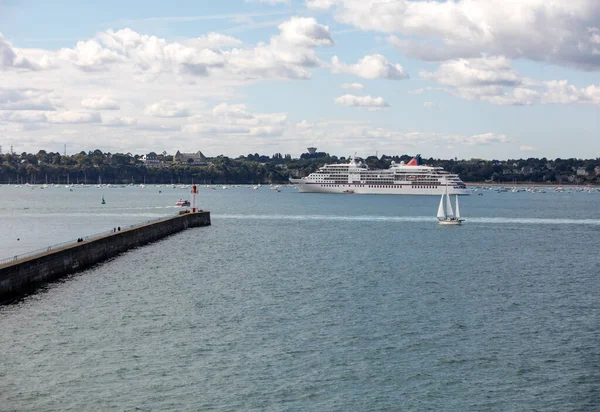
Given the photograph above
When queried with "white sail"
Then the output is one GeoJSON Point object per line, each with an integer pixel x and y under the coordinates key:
{"type": "Point", "coordinates": [449, 211]}
{"type": "Point", "coordinates": [457, 209]}
{"type": "Point", "coordinates": [441, 214]}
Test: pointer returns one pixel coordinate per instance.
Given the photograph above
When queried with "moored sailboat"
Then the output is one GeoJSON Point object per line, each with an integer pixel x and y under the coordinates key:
{"type": "Point", "coordinates": [445, 215]}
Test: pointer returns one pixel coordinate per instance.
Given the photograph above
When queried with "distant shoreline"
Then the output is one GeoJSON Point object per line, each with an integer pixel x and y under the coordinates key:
{"type": "Point", "coordinates": [529, 184]}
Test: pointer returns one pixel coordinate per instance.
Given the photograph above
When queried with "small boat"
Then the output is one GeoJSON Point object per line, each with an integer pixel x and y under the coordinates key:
{"type": "Point", "coordinates": [182, 203]}
{"type": "Point", "coordinates": [103, 201]}
{"type": "Point", "coordinates": [446, 215]}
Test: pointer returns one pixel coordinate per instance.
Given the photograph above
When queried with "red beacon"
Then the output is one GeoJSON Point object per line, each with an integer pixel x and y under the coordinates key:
{"type": "Point", "coordinates": [194, 198]}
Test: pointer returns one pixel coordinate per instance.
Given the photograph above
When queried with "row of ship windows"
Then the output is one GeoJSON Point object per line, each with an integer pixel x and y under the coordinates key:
{"type": "Point", "coordinates": [345, 173]}
{"type": "Point", "coordinates": [371, 186]}
{"type": "Point", "coordinates": [385, 186]}
{"type": "Point", "coordinates": [422, 182]}
{"type": "Point", "coordinates": [398, 177]}
{"type": "Point", "coordinates": [425, 185]}
{"type": "Point", "coordinates": [432, 187]}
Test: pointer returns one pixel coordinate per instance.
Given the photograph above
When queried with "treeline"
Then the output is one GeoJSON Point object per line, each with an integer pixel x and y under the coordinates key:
{"type": "Point", "coordinates": [96, 167]}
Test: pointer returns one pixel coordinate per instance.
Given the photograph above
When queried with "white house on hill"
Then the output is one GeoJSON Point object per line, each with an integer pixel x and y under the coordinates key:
{"type": "Point", "coordinates": [151, 160]}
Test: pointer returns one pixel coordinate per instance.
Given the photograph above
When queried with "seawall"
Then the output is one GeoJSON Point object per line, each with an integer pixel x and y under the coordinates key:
{"type": "Point", "coordinates": [24, 275]}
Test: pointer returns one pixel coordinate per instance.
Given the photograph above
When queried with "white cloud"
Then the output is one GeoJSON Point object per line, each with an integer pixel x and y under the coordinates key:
{"type": "Point", "coordinates": [347, 136]}
{"type": "Point", "coordinates": [374, 66]}
{"type": "Point", "coordinates": [493, 80]}
{"type": "Point", "coordinates": [266, 131]}
{"type": "Point", "coordinates": [23, 116]}
{"type": "Point", "coordinates": [563, 32]}
{"type": "Point", "coordinates": [271, 2]}
{"type": "Point", "coordinates": [432, 52]}
{"type": "Point", "coordinates": [11, 58]}
{"type": "Point", "coordinates": [99, 103]}
{"type": "Point", "coordinates": [361, 101]}
{"type": "Point", "coordinates": [494, 70]}
{"type": "Point", "coordinates": [28, 99]}
{"type": "Point", "coordinates": [214, 40]}
{"type": "Point", "coordinates": [321, 4]}
{"type": "Point", "coordinates": [156, 127]}
{"type": "Point", "coordinates": [146, 54]}
{"type": "Point", "coordinates": [120, 122]}
{"type": "Point", "coordinates": [26, 127]}
{"type": "Point", "coordinates": [236, 119]}
{"type": "Point", "coordinates": [304, 124]}
{"type": "Point", "coordinates": [431, 105]}
{"type": "Point", "coordinates": [485, 139]}
{"type": "Point", "coordinates": [167, 108]}
{"type": "Point", "coordinates": [7, 53]}
{"type": "Point", "coordinates": [90, 55]}
{"type": "Point", "coordinates": [355, 86]}
{"type": "Point", "coordinates": [287, 55]}
{"type": "Point", "coordinates": [525, 148]}
{"type": "Point", "coordinates": [74, 117]}
{"type": "Point", "coordinates": [198, 128]}
{"type": "Point", "coordinates": [305, 31]}
{"type": "Point", "coordinates": [561, 92]}
{"type": "Point", "coordinates": [237, 114]}
{"type": "Point", "coordinates": [236, 111]}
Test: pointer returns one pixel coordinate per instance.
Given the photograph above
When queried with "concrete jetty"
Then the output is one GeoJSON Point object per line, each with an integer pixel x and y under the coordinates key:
{"type": "Point", "coordinates": [22, 276]}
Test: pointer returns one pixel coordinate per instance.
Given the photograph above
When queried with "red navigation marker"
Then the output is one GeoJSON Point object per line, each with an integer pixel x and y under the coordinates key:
{"type": "Point", "coordinates": [194, 198]}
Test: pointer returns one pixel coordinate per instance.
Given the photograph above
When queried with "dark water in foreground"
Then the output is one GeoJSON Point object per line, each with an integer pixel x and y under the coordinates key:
{"type": "Point", "coordinates": [300, 302]}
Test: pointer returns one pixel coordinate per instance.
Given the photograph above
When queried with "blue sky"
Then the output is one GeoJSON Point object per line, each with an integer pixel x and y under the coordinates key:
{"type": "Point", "coordinates": [468, 78]}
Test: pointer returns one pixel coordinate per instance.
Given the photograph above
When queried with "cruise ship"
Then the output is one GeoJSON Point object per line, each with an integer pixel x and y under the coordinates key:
{"type": "Point", "coordinates": [412, 178]}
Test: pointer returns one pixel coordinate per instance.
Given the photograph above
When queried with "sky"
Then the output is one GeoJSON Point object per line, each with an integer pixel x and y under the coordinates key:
{"type": "Point", "coordinates": [494, 79]}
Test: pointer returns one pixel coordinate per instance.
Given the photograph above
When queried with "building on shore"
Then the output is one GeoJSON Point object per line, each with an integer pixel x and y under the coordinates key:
{"type": "Point", "coordinates": [151, 160]}
{"type": "Point", "coordinates": [191, 159]}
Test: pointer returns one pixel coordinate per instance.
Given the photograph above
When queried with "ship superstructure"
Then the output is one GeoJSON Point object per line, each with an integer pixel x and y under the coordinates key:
{"type": "Point", "coordinates": [412, 178]}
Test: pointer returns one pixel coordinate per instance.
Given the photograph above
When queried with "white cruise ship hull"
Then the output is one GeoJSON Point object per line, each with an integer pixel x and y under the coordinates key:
{"type": "Point", "coordinates": [362, 189]}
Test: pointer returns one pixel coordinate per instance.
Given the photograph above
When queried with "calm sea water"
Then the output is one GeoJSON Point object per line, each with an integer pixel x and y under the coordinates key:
{"type": "Point", "coordinates": [309, 302]}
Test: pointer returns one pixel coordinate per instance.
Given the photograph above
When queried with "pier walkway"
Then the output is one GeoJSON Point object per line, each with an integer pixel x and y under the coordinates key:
{"type": "Point", "coordinates": [22, 273]}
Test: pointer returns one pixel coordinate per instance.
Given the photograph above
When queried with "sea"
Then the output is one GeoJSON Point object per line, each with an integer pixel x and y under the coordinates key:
{"type": "Point", "coordinates": [308, 302]}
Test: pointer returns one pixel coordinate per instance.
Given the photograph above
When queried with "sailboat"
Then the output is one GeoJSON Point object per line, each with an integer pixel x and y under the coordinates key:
{"type": "Point", "coordinates": [446, 215]}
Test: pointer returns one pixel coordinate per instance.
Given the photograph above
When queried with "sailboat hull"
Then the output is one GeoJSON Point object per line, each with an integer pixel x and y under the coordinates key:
{"type": "Point", "coordinates": [451, 222]}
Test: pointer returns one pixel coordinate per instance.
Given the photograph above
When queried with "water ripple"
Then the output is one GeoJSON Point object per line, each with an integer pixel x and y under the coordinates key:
{"type": "Point", "coordinates": [491, 220]}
